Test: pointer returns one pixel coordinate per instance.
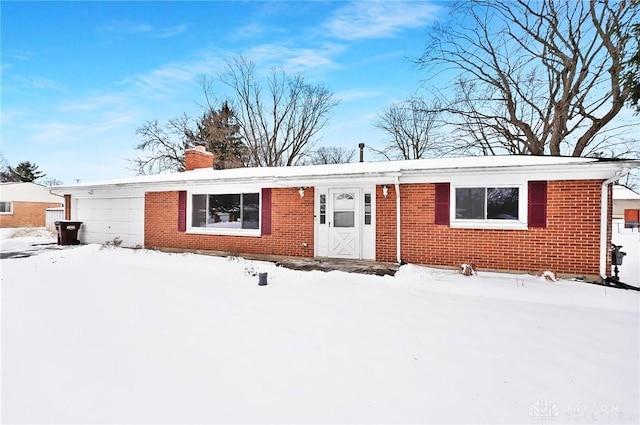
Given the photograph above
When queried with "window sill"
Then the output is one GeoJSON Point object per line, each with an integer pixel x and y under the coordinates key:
{"type": "Point", "coordinates": [6, 213]}
{"type": "Point", "coordinates": [224, 232]}
{"type": "Point", "coordinates": [488, 224]}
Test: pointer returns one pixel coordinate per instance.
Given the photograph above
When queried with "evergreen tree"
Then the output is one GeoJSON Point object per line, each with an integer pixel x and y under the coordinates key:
{"type": "Point", "coordinates": [219, 132]}
{"type": "Point", "coordinates": [26, 172]}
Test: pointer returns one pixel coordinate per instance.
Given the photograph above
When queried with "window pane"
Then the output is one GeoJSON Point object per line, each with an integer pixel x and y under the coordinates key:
{"type": "Point", "coordinates": [367, 208]}
{"type": "Point", "coordinates": [199, 211]}
{"type": "Point", "coordinates": [224, 211]}
{"type": "Point", "coordinates": [343, 218]}
{"type": "Point", "coordinates": [470, 203]}
{"type": "Point", "coordinates": [250, 211]}
{"type": "Point", "coordinates": [502, 203]}
{"type": "Point", "coordinates": [323, 209]}
{"type": "Point", "coordinates": [344, 201]}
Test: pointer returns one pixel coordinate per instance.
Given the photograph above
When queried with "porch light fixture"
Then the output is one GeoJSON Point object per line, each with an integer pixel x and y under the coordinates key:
{"type": "Point", "coordinates": [301, 192]}
{"type": "Point", "coordinates": [385, 191]}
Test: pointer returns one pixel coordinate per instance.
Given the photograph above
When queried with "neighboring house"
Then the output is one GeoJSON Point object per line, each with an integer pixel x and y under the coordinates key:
{"type": "Point", "coordinates": [24, 204]}
{"type": "Point", "coordinates": [510, 213]}
{"type": "Point", "coordinates": [626, 206]}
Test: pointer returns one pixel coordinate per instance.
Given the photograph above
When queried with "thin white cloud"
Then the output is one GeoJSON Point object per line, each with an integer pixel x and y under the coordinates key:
{"type": "Point", "coordinates": [293, 60]}
{"type": "Point", "coordinates": [356, 94]}
{"type": "Point", "coordinates": [125, 27]}
{"type": "Point", "coordinates": [41, 83]}
{"type": "Point", "coordinates": [248, 31]}
{"type": "Point", "coordinates": [379, 19]}
{"type": "Point", "coordinates": [93, 103]}
{"type": "Point", "coordinates": [17, 54]}
{"type": "Point", "coordinates": [172, 31]}
{"type": "Point", "coordinates": [162, 80]}
{"type": "Point", "coordinates": [46, 83]}
{"type": "Point", "coordinates": [54, 132]}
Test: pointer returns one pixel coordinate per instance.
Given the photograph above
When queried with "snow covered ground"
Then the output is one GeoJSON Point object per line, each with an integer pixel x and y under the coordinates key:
{"type": "Point", "coordinates": [629, 271]}
{"type": "Point", "coordinates": [122, 336]}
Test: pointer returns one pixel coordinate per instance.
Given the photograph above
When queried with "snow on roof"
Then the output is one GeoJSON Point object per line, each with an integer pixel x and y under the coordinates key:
{"type": "Point", "coordinates": [352, 169]}
{"type": "Point", "coordinates": [623, 192]}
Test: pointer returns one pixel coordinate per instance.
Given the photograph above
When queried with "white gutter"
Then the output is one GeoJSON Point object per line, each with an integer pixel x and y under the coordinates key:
{"type": "Point", "coordinates": [604, 220]}
{"type": "Point", "coordinates": [397, 186]}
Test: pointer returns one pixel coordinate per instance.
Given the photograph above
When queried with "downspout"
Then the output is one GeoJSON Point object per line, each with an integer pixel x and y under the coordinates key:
{"type": "Point", "coordinates": [604, 220]}
{"type": "Point", "coordinates": [397, 186]}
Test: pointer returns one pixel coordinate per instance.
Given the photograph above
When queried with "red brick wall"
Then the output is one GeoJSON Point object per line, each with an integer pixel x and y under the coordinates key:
{"type": "Point", "coordinates": [27, 214]}
{"type": "Point", "coordinates": [569, 244]}
{"type": "Point", "coordinates": [291, 227]}
{"type": "Point", "coordinates": [196, 158]}
{"type": "Point", "coordinates": [386, 224]}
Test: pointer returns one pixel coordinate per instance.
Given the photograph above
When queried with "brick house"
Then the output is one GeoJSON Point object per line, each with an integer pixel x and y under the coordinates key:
{"type": "Point", "coordinates": [24, 204]}
{"type": "Point", "coordinates": [626, 206]}
{"type": "Point", "coordinates": [511, 213]}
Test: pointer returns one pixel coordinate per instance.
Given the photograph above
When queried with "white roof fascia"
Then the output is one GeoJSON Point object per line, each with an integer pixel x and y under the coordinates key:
{"type": "Point", "coordinates": [592, 171]}
{"type": "Point", "coordinates": [414, 171]}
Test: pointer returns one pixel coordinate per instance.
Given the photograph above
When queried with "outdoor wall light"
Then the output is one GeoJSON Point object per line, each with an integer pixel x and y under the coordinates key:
{"type": "Point", "coordinates": [301, 192]}
{"type": "Point", "coordinates": [385, 191]}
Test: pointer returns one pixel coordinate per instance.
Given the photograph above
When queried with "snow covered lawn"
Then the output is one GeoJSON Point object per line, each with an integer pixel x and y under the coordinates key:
{"type": "Point", "coordinates": [121, 336]}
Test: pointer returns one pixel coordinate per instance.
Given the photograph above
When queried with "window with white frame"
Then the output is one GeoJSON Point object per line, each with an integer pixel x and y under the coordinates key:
{"type": "Point", "coordinates": [487, 203]}
{"type": "Point", "coordinates": [489, 207]}
{"type": "Point", "coordinates": [226, 211]}
{"type": "Point", "coordinates": [5, 208]}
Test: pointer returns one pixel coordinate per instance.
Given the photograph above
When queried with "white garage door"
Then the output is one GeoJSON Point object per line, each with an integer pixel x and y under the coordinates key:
{"type": "Point", "coordinates": [107, 218]}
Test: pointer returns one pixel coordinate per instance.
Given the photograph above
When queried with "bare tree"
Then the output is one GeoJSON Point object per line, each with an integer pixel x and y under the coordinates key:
{"type": "Point", "coordinates": [280, 124]}
{"type": "Point", "coordinates": [411, 127]}
{"type": "Point", "coordinates": [330, 155]}
{"type": "Point", "coordinates": [216, 129]}
{"type": "Point", "coordinates": [6, 173]}
{"type": "Point", "coordinates": [164, 144]}
{"type": "Point", "coordinates": [51, 181]}
{"type": "Point", "coordinates": [541, 77]}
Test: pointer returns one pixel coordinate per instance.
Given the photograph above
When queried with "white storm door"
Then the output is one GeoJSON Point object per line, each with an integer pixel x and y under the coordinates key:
{"type": "Point", "coordinates": [343, 217]}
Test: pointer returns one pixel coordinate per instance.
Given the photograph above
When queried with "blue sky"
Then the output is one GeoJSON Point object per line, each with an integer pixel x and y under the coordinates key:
{"type": "Point", "coordinates": [78, 78]}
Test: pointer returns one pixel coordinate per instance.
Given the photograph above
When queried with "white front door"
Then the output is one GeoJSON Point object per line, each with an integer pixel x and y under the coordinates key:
{"type": "Point", "coordinates": [343, 219]}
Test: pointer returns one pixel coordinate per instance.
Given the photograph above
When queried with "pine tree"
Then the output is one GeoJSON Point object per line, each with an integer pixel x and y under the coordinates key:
{"type": "Point", "coordinates": [26, 172]}
{"type": "Point", "coordinates": [219, 132]}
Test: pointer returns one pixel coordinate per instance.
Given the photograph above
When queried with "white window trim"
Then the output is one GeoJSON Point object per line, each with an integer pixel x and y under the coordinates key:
{"type": "Point", "coordinates": [520, 224]}
{"type": "Point", "coordinates": [10, 212]}
{"type": "Point", "coordinates": [221, 231]}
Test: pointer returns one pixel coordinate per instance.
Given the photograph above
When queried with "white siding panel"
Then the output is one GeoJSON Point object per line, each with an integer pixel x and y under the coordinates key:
{"type": "Point", "coordinates": [107, 218]}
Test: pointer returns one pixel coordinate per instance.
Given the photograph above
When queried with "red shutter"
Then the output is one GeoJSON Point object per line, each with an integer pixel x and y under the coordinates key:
{"type": "Point", "coordinates": [182, 211]}
{"type": "Point", "coordinates": [442, 203]}
{"type": "Point", "coordinates": [265, 216]}
{"type": "Point", "coordinates": [538, 204]}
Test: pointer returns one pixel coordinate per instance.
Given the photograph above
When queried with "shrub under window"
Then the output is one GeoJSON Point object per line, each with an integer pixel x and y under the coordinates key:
{"type": "Point", "coordinates": [228, 211]}
{"type": "Point", "coordinates": [487, 203]}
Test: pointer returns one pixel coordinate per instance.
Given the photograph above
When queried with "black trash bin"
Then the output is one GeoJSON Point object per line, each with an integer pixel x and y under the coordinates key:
{"type": "Point", "coordinates": [68, 232]}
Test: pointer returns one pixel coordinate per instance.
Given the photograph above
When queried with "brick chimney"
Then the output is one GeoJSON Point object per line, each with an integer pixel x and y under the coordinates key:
{"type": "Point", "coordinates": [197, 157]}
